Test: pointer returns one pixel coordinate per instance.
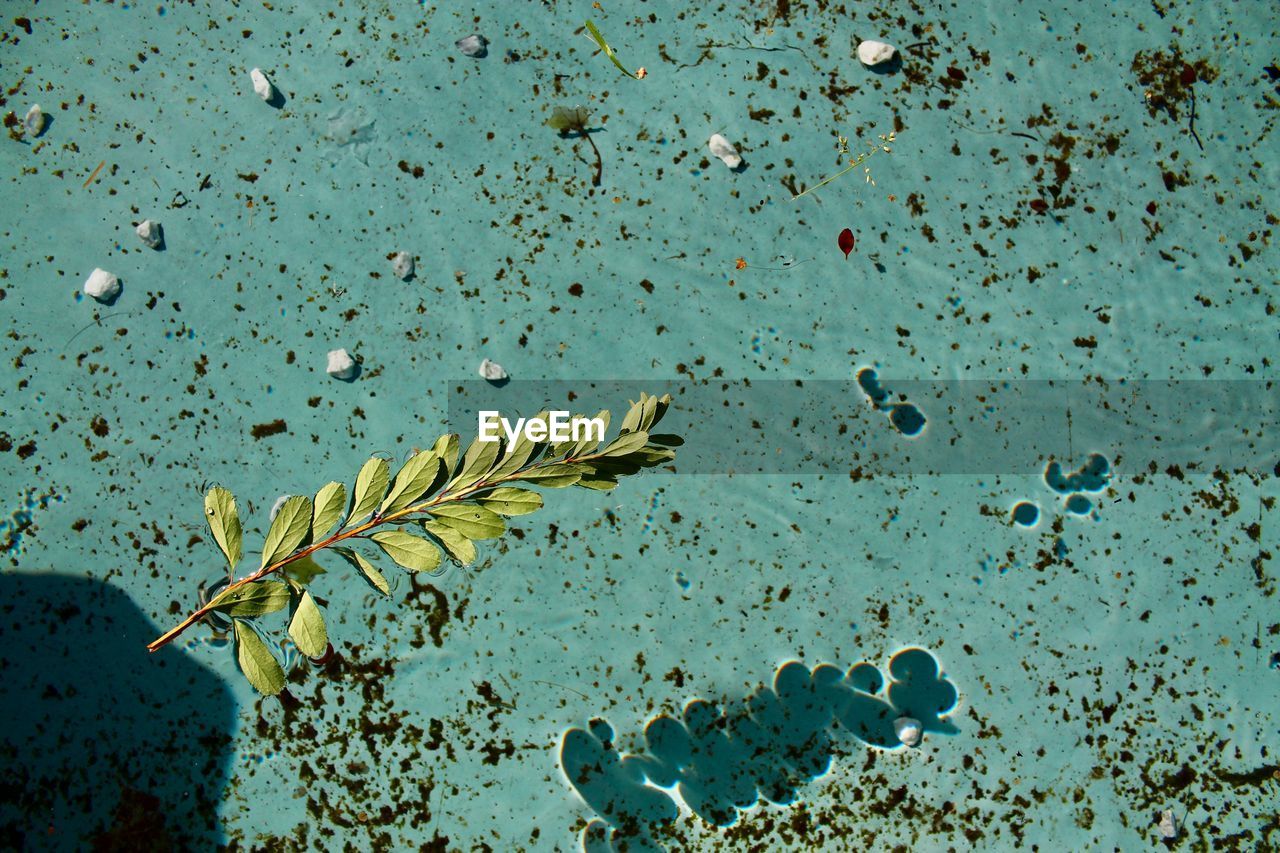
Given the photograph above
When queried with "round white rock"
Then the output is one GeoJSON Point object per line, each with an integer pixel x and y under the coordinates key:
{"type": "Point", "coordinates": [874, 53]}
{"type": "Point", "coordinates": [102, 285]}
{"type": "Point", "coordinates": [908, 730]}
{"type": "Point", "coordinates": [341, 364]}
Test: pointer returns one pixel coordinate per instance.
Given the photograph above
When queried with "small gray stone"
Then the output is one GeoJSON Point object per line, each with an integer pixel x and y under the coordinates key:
{"type": "Point", "coordinates": [492, 371]}
{"type": "Point", "coordinates": [261, 85]}
{"type": "Point", "coordinates": [149, 232]}
{"type": "Point", "coordinates": [402, 266]}
{"type": "Point", "coordinates": [1168, 825]}
{"type": "Point", "coordinates": [476, 46]}
{"type": "Point", "coordinates": [34, 121]}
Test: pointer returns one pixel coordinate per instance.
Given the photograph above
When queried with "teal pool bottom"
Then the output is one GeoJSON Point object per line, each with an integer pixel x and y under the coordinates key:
{"type": "Point", "coordinates": [1078, 617]}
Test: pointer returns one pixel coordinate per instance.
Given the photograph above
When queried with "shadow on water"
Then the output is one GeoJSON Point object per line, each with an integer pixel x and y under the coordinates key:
{"type": "Point", "coordinates": [721, 762]}
{"type": "Point", "coordinates": [104, 745]}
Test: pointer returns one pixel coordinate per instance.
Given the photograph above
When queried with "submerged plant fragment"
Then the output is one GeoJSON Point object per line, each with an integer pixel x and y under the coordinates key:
{"type": "Point", "coordinates": [439, 504]}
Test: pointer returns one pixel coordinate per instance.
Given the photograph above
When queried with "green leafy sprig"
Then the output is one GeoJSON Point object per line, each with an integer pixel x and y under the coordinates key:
{"type": "Point", "coordinates": [435, 505]}
{"type": "Point", "coordinates": [882, 143]}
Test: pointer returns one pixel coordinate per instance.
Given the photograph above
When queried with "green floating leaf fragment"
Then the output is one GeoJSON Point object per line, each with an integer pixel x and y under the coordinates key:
{"type": "Point", "coordinates": [306, 628]}
{"type": "Point", "coordinates": [303, 571]}
{"type": "Point", "coordinates": [552, 476]}
{"type": "Point", "coordinates": [330, 501]}
{"type": "Point", "coordinates": [627, 443]}
{"type": "Point", "coordinates": [288, 531]}
{"type": "Point", "coordinates": [608, 51]}
{"type": "Point", "coordinates": [371, 483]}
{"type": "Point", "coordinates": [446, 447]}
{"type": "Point", "coordinates": [460, 548]}
{"type": "Point", "coordinates": [256, 661]}
{"type": "Point", "coordinates": [510, 501]}
{"type": "Point", "coordinates": [411, 482]}
{"type": "Point", "coordinates": [366, 569]}
{"type": "Point", "coordinates": [410, 552]}
{"type": "Point", "coordinates": [253, 599]}
{"type": "Point", "coordinates": [224, 523]}
{"type": "Point", "coordinates": [479, 458]}
{"type": "Point", "coordinates": [473, 522]}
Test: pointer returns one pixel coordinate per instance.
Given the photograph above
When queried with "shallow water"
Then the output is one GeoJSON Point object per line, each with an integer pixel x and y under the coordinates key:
{"type": "Point", "coordinates": [1056, 264]}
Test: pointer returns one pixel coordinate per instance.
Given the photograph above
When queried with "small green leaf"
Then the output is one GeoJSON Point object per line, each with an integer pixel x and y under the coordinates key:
{"type": "Point", "coordinates": [476, 463]}
{"type": "Point", "coordinates": [473, 522]}
{"type": "Point", "coordinates": [224, 523]}
{"type": "Point", "coordinates": [632, 421]}
{"type": "Point", "coordinates": [598, 482]}
{"type": "Point", "coordinates": [366, 570]}
{"type": "Point", "coordinates": [627, 443]}
{"type": "Point", "coordinates": [519, 452]}
{"type": "Point", "coordinates": [664, 403]}
{"type": "Point", "coordinates": [411, 482]}
{"type": "Point", "coordinates": [252, 599]}
{"type": "Point", "coordinates": [650, 456]}
{"type": "Point", "coordinates": [509, 501]}
{"type": "Point", "coordinates": [307, 628]}
{"type": "Point", "coordinates": [303, 571]}
{"type": "Point", "coordinates": [329, 503]}
{"type": "Point", "coordinates": [288, 531]}
{"type": "Point", "coordinates": [608, 51]}
{"type": "Point", "coordinates": [411, 552]}
{"type": "Point", "coordinates": [647, 413]}
{"type": "Point", "coordinates": [552, 476]}
{"type": "Point", "coordinates": [256, 661]}
{"type": "Point", "coordinates": [371, 483]}
{"type": "Point", "coordinates": [446, 448]}
{"type": "Point", "coordinates": [460, 548]}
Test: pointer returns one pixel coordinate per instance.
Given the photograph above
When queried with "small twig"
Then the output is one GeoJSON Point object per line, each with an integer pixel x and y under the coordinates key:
{"type": "Point", "coordinates": [562, 687]}
{"type": "Point", "coordinates": [599, 160]}
{"type": "Point", "coordinates": [712, 45]}
{"type": "Point", "coordinates": [94, 175]}
{"type": "Point", "coordinates": [1191, 123]}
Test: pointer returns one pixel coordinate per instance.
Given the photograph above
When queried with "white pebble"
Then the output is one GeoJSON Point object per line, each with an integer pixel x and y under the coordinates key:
{"type": "Point", "coordinates": [874, 53]}
{"type": "Point", "coordinates": [1168, 825]}
{"type": "Point", "coordinates": [908, 730]}
{"type": "Point", "coordinates": [34, 121]}
{"type": "Point", "coordinates": [262, 85]}
{"type": "Point", "coordinates": [275, 507]}
{"type": "Point", "coordinates": [102, 285]}
{"type": "Point", "coordinates": [474, 45]}
{"type": "Point", "coordinates": [149, 233]}
{"type": "Point", "coordinates": [402, 265]}
{"type": "Point", "coordinates": [341, 364]}
{"type": "Point", "coordinates": [724, 149]}
{"type": "Point", "coordinates": [492, 371]}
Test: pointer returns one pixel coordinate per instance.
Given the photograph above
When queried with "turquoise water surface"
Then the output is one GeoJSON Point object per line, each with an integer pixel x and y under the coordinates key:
{"type": "Point", "coordinates": [1008, 469]}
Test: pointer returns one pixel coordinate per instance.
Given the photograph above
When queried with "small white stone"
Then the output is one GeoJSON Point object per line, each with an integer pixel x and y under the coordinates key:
{"type": "Point", "coordinates": [149, 233]}
{"type": "Point", "coordinates": [492, 371]}
{"type": "Point", "coordinates": [908, 730]}
{"type": "Point", "coordinates": [275, 507]}
{"type": "Point", "coordinates": [102, 285]}
{"type": "Point", "coordinates": [473, 45]}
{"type": "Point", "coordinates": [34, 121]}
{"type": "Point", "coordinates": [341, 364]}
{"type": "Point", "coordinates": [1168, 825]}
{"type": "Point", "coordinates": [402, 265]}
{"type": "Point", "coordinates": [874, 53]}
{"type": "Point", "coordinates": [724, 149]}
{"type": "Point", "coordinates": [262, 85]}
